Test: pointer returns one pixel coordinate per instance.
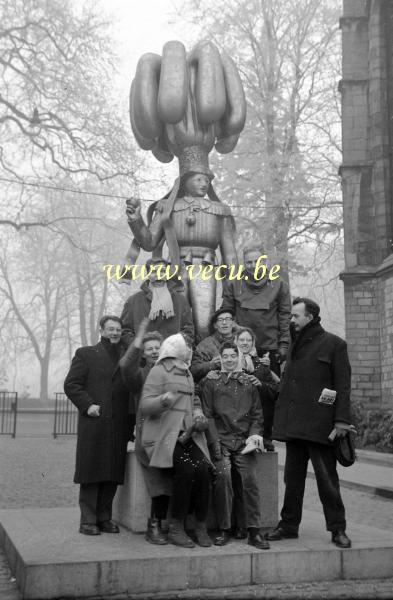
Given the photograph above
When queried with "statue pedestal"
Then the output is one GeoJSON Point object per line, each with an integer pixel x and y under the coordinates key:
{"type": "Point", "coordinates": [131, 506]}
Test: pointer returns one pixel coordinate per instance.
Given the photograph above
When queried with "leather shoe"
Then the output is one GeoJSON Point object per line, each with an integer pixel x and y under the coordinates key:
{"type": "Point", "coordinates": [222, 537]}
{"type": "Point", "coordinates": [89, 529]}
{"type": "Point", "coordinates": [108, 527]}
{"type": "Point", "coordinates": [280, 534]}
{"type": "Point", "coordinates": [239, 533]}
{"type": "Point", "coordinates": [341, 539]}
{"type": "Point", "coordinates": [257, 540]}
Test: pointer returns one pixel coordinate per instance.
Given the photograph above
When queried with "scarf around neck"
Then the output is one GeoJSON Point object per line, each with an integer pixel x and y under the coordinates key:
{"type": "Point", "coordinates": [161, 301]}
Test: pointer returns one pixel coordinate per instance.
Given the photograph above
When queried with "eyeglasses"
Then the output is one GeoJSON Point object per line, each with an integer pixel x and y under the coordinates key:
{"type": "Point", "coordinates": [224, 319]}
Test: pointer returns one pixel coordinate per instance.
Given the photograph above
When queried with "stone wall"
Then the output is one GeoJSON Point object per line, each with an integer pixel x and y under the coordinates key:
{"type": "Point", "coordinates": [367, 176]}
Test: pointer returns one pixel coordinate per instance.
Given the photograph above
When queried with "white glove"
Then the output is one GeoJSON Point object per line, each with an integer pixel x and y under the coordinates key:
{"type": "Point", "coordinates": [254, 442]}
{"type": "Point", "coordinates": [256, 439]}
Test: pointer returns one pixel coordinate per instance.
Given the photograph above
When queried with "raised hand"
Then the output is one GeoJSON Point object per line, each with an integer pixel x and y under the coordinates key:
{"type": "Point", "coordinates": [133, 208]}
{"type": "Point", "coordinates": [140, 334]}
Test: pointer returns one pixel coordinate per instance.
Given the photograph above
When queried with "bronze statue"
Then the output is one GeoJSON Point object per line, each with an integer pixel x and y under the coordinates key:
{"type": "Point", "coordinates": [182, 105]}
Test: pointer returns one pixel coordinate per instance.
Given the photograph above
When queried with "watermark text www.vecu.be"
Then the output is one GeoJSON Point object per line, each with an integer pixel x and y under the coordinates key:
{"type": "Point", "coordinates": [204, 271]}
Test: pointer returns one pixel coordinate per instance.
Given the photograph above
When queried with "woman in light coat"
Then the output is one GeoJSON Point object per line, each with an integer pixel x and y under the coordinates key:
{"type": "Point", "coordinates": [172, 425]}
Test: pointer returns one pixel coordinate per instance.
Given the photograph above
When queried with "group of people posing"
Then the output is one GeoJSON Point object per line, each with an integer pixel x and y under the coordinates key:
{"type": "Point", "coordinates": [200, 413]}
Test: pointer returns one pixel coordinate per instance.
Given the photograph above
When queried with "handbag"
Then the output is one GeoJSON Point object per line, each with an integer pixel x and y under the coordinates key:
{"type": "Point", "coordinates": [344, 449]}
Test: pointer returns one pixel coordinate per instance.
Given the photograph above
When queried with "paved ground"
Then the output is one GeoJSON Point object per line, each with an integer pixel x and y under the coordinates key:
{"type": "Point", "coordinates": [38, 471]}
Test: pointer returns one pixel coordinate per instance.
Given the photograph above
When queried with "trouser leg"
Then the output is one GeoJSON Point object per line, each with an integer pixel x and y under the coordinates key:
{"type": "Point", "coordinates": [238, 516]}
{"type": "Point", "coordinates": [190, 477]}
{"type": "Point", "coordinates": [268, 404]}
{"type": "Point", "coordinates": [159, 507]}
{"type": "Point", "coordinates": [106, 493]}
{"type": "Point", "coordinates": [268, 417]}
{"type": "Point", "coordinates": [223, 493]}
{"type": "Point", "coordinates": [88, 493]}
{"type": "Point", "coordinates": [245, 465]}
{"type": "Point", "coordinates": [295, 473]}
{"type": "Point", "coordinates": [325, 469]}
{"type": "Point", "coordinates": [200, 491]}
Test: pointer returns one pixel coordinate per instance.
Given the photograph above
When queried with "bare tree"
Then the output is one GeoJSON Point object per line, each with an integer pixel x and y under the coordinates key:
{"type": "Point", "coordinates": [55, 99]}
{"type": "Point", "coordinates": [59, 114]}
{"type": "Point", "coordinates": [34, 292]}
{"type": "Point", "coordinates": [53, 288]}
{"type": "Point", "coordinates": [284, 170]}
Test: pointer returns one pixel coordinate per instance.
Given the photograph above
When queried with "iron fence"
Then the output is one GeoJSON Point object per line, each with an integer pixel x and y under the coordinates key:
{"type": "Point", "coordinates": [8, 412]}
{"type": "Point", "coordinates": [66, 416]}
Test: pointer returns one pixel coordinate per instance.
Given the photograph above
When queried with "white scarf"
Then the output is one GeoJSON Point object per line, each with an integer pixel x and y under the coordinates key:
{"type": "Point", "coordinates": [161, 301]}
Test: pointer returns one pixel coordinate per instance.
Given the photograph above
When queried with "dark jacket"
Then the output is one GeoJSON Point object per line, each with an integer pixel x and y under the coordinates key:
{"type": "Point", "coordinates": [134, 370]}
{"type": "Point", "coordinates": [268, 389]}
{"type": "Point", "coordinates": [137, 307]}
{"type": "Point", "coordinates": [263, 306]}
{"type": "Point", "coordinates": [205, 351]}
{"type": "Point", "coordinates": [94, 378]}
{"type": "Point", "coordinates": [232, 406]}
{"type": "Point", "coordinates": [316, 360]}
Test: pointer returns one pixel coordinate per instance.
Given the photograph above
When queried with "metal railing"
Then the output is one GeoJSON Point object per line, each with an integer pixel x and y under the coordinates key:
{"type": "Point", "coordinates": [66, 416]}
{"type": "Point", "coordinates": [8, 412]}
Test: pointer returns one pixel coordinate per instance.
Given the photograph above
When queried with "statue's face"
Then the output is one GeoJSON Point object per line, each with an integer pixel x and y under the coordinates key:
{"type": "Point", "coordinates": [197, 185]}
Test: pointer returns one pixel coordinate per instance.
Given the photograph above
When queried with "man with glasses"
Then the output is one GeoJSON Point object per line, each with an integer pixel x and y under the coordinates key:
{"type": "Point", "coordinates": [207, 353]}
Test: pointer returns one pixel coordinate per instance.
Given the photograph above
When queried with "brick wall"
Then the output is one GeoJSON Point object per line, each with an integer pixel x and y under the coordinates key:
{"type": "Point", "coordinates": [367, 176]}
{"type": "Point", "coordinates": [386, 337]}
{"type": "Point", "coordinates": [363, 337]}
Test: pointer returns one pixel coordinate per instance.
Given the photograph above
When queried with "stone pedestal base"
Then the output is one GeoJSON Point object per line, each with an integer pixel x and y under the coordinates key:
{"type": "Point", "coordinates": [131, 507]}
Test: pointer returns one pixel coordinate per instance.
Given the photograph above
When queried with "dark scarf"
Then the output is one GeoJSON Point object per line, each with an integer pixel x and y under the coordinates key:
{"type": "Point", "coordinates": [255, 285]}
{"type": "Point", "coordinates": [113, 350]}
{"type": "Point", "coordinates": [309, 331]}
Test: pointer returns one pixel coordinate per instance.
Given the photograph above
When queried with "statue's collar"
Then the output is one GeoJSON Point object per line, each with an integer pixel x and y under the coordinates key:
{"type": "Point", "coordinates": [203, 203]}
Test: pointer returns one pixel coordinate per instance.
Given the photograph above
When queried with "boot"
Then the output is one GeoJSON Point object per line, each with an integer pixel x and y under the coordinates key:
{"type": "Point", "coordinates": [154, 534]}
{"type": "Point", "coordinates": [177, 535]}
{"type": "Point", "coordinates": [201, 534]}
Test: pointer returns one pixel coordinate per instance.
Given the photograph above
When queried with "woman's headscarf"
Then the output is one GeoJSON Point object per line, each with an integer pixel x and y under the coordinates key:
{"type": "Point", "coordinates": [247, 364]}
{"type": "Point", "coordinates": [175, 347]}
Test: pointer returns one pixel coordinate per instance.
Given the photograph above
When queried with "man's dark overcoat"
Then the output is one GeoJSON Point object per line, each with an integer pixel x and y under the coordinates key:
{"type": "Point", "coordinates": [316, 360]}
{"type": "Point", "coordinates": [95, 378]}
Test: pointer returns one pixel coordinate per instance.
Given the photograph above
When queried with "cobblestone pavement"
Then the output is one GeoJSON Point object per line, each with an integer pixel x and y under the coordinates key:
{"type": "Point", "coordinates": [38, 472]}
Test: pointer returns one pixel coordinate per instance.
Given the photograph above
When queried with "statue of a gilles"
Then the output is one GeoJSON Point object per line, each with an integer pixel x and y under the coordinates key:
{"type": "Point", "coordinates": [182, 104]}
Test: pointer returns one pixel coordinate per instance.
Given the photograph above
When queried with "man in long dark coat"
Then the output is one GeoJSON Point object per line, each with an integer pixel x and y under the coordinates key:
{"type": "Point", "coordinates": [96, 386]}
{"type": "Point", "coordinates": [313, 401]}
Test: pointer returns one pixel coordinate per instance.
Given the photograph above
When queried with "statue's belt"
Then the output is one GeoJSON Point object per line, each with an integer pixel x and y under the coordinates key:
{"type": "Point", "coordinates": [189, 253]}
